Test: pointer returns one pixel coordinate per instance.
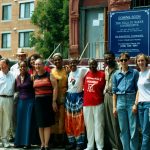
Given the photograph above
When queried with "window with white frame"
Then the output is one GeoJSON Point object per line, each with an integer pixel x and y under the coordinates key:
{"type": "Point", "coordinates": [26, 10]}
{"type": "Point", "coordinates": [6, 40]}
{"type": "Point", "coordinates": [24, 39]}
{"type": "Point", "coordinates": [6, 12]}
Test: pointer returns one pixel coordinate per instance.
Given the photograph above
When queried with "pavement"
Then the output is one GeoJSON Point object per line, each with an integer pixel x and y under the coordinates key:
{"type": "Point", "coordinates": [34, 147]}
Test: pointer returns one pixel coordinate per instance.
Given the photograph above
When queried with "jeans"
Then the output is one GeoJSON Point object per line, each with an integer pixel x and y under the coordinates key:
{"type": "Point", "coordinates": [144, 118]}
{"type": "Point", "coordinates": [127, 122]}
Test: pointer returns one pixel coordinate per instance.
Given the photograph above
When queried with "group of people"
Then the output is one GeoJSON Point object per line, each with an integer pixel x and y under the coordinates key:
{"type": "Point", "coordinates": [80, 102]}
{"type": "Point", "coordinates": [30, 86]}
{"type": "Point", "coordinates": [131, 99]}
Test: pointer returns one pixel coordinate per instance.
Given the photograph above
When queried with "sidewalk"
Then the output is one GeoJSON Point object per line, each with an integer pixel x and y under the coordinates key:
{"type": "Point", "coordinates": [33, 148]}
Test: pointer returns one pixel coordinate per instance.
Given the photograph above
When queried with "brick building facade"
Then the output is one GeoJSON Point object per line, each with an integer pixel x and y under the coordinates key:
{"type": "Point", "coordinates": [88, 23]}
{"type": "Point", "coordinates": [79, 7]}
{"type": "Point", "coordinates": [15, 26]}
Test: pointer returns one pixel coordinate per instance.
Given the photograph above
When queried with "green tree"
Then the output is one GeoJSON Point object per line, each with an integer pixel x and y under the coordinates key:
{"type": "Point", "coordinates": [51, 16]}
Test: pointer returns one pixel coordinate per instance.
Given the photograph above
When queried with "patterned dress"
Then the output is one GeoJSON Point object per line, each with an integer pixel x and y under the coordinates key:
{"type": "Point", "coordinates": [74, 121]}
{"type": "Point", "coordinates": [61, 77]}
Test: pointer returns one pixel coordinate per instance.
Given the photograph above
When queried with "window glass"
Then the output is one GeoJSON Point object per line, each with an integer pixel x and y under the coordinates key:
{"type": "Point", "coordinates": [26, 9]}
{"type": "Point", "coordinates": [6, 40]}
{"type": "Point", "coordinates": [6, 12]}
{"type": "Point", "coordinates": [24, 39]}
{"type": "Point", "coordinates": [31, 8]}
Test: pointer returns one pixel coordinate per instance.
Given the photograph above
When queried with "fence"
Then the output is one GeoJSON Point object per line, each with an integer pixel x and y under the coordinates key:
{"type": "Point", "coordinates": [140, 3]}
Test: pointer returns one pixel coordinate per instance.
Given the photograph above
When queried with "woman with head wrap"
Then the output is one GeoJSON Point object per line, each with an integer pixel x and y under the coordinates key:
{"type": "Point", "coordinates": [59, 72]}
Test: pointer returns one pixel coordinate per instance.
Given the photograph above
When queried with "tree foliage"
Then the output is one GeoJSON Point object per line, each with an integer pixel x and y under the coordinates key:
{"type": "Point", "coordinates": [51, 16]}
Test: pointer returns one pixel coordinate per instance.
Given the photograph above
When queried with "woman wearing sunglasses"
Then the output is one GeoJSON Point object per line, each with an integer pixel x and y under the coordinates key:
{"type": "Point", "coordinates": [124, 93]}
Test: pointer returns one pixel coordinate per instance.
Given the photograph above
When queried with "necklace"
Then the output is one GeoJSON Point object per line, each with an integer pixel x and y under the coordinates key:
{"type": "Point", "coordinates": [22, 78]}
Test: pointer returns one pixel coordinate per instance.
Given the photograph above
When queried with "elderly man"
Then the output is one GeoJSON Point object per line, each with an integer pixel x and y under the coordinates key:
{"type": "Point", "coordinates": [21, 56]}
{"type": "Point", "coordinates": [7, 84]}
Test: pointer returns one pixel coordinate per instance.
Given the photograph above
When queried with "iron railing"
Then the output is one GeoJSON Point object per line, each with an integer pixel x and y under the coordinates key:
{"type": "Point", "coordinates": [140, 3]}
{"type": "Point", "coordinates": [59, 48]}
{"type": "Point", "coordinates": [95, 49]}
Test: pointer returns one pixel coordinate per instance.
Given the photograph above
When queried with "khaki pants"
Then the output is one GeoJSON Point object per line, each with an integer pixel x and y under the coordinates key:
{"type": "Point", "coordinates": [112, 130]}
{"type": "Point", "coordinates": [6, 110]}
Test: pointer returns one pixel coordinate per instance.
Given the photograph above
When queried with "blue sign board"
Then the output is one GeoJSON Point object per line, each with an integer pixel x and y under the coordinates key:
{"type": "Point", "coordinates": [129, 31]}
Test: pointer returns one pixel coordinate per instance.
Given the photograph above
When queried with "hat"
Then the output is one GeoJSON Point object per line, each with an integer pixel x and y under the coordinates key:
{"type": "Point", "coordinates": [20, 52]}
{"type": "Point", "coordinates": [57, 54]}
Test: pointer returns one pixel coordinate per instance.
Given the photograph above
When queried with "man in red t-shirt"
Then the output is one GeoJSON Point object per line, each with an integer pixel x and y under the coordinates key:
{"type": "Point", "coordinates": [93, 107]}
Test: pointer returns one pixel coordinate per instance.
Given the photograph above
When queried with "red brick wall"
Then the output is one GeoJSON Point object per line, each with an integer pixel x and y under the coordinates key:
{"type": "Point", "coordinates": [115, 5]}
{"type": "Point", "coordinates": [94, 2]}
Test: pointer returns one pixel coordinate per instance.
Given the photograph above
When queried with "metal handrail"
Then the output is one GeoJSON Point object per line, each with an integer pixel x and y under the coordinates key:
{"type": "Point", "coordinates": [54, 51]}
{"type": "Point", "coordinates": [83, 51]}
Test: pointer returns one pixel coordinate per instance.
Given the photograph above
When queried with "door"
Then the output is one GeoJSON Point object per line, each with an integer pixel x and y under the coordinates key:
{"type": "Point", "coordinates": [92, 32]}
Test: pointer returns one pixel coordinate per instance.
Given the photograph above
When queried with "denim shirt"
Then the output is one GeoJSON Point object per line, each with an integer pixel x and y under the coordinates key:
{"type": "Point", "coordinates": [125, 83]}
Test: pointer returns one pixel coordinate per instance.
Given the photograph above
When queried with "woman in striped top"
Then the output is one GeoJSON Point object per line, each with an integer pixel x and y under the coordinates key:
{"type": "Point", "coordinates": [45, 86]}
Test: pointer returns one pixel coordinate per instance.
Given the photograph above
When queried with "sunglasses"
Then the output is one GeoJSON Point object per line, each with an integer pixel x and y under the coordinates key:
{"type": "Point", "coordinates": [125, 60]}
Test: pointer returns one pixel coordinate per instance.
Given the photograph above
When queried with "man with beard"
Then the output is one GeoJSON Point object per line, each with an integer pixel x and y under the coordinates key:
{"type": "Point", "coordinates": [111, 123]}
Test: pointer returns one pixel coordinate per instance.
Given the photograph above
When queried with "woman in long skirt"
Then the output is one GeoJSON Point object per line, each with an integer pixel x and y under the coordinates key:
{"type": "Point", "coordinates": [25, 104]}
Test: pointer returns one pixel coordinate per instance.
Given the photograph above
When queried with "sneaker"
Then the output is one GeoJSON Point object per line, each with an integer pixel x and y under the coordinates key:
{"type": "Point", "coordinates": [47, 148]}
{"type": "Point", "coordinates": [89, 149]}
{"type": "Point", "coordinates": [5, 143]}
{"type": "Point", "coordinates": [18, 146]}
{"type": "Point", "coordinates": [11, 139]}
{"type": "Point", "coordinates": [42, 148]}
{"type": "Point", "coordinates": [27, 147]}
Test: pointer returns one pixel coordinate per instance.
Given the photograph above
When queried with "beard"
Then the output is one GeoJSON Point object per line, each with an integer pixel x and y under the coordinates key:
{"type": "Point", "coordinates": [111, 64]}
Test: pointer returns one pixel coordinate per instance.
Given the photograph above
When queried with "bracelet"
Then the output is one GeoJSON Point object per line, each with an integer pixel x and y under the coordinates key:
{"type": "Point", "coordinates": [54, 101]}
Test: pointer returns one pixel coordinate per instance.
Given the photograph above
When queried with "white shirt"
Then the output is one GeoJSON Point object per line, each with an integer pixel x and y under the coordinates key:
{"type": "Point", "coordinates": [7, 84]}
{"type": "Point", "coordinates": [15, 70]}
{"type": "Point", "coordinates": [76, 79]}
{"type": "Point", "coordinates": [144, 86]}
